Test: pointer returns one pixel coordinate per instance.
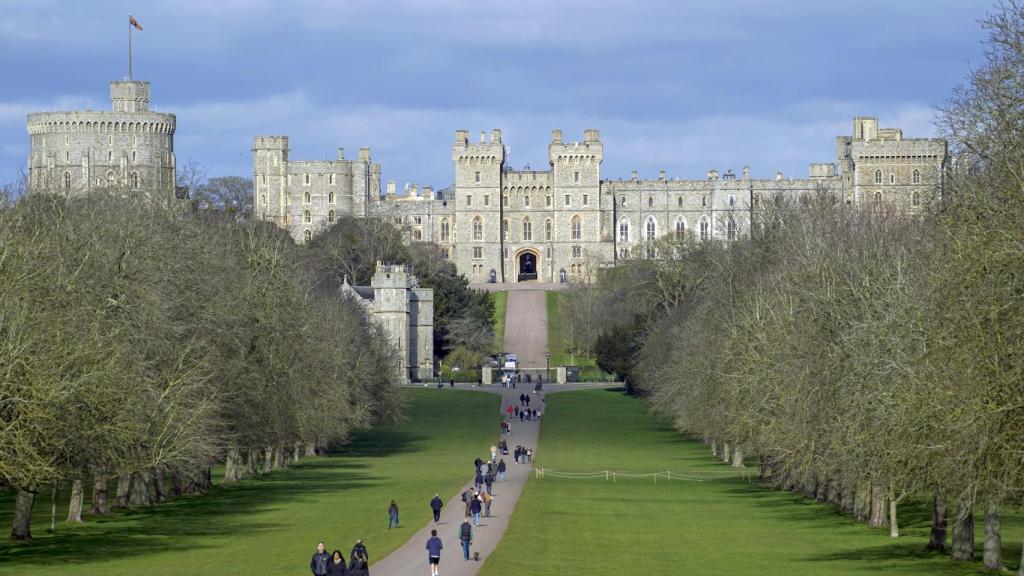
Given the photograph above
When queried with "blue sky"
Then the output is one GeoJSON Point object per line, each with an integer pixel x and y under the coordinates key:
{"type": "Point", "coordinates": [676, 86]}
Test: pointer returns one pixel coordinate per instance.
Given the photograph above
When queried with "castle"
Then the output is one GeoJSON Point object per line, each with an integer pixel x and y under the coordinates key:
{"type": "Point", "coordinates": [500, 224]}
{"type": "Point", "coordinates": [405, 311]}
{"type": "Point", "coordinates": [129, 148]}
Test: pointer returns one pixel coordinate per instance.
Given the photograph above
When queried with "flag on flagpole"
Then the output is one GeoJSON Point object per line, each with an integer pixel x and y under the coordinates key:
{"type": "Point", "coordinates": [134, 22]}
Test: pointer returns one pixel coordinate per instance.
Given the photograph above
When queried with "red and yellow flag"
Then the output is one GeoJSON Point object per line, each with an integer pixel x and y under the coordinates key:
{"type": "Point", "coordinates": [132, 21]}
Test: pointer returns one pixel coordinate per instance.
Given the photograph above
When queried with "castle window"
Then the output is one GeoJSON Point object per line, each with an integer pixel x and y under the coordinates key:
{"type": "Point", "coordinates": [110, 178]}
{"type": "Point", "coordinates": [915, 198]}
{"type": "Point", "coordinates": [650, 201]}
{"type": "Point", "coordinates": [263, 199]}
{"type": "Point", "coordinates": [135, 156]}
{"type": "Point", "coordinates": [577, 252]}
{"type": "Point", "coordinates": [730, 228]}
{"type": "Point", "coordinates": [110, 156]}
{"type": "Point", "coordinates": [332, 216]}
{"type": "Point", "coordinates": [575, 176]}
{"type": "Point", "coordinates": [576, 228]}
{"type": "Point", "coordinates": [624, 230]}
{"type": "Point", "coordinates": [67, 179]}
{"type": "Point", "coordinates": [586, 200]}
{"type": "Point", "coordinates": [547, 230]}
{"type": "Point", "coordinates": [307, 236]}
{"type": "Point", "coordinates": [732, 200]}
{"type": "Point", "coordinates": [477, 177]}
{"type": "Point", "coordinates": [67, 156]}
{"type": "Point", "coordinates": [135, 180]}
{"type": "Point", "coordinates": [330, 179]}
{"type": "Point", "coordinates": [757, 199]}
{"type": "Point", "coordinates": [504, 200]}
{"type": "Point", "coordinates": [469, 199]}
{"type": "Point", "coordinates": [878, 197]}
{"type": "Point", "coordinates": [527, 231]}
{"type": "Point", "coordinates": [917, 176]}
{"type": "Point", "coordinates": [307, 198]}
{"type": "Point", "coordinates": [566, 199]}
{"type": "Point", "coordinates": [110, 141]}
{"type": "Point", "coordinates": [705, 228]}
{"type": "Point", "coordinates": [892, 178]}
{"type": "Point", "coordinates": [478, 229]}
{"type": "Point", "coordinates": [305, 181]}
{"type": "Point", "coordinates": [263, 179]}
{"type": "Point", "coordinates": [679, 201]}
{"type": "Point", "coordinates": [330, 198]}
{"type": "Point", "coordinates": [445, 231]}
{"type": "Point", "coordinates": [547, 201]}
{"type": "Point", "coordinates": [704, 200]}
{"type": "Point", "coordinates": [417, 220]}
{"type": "Point", "coordinates": [878, 176]}
{"type": "Point", "coordinates": [622, 200]}
{"type": "Point", "coordinates": [680, 228]}
{"type": "Point", "coordinates": [504, 230]}
{"type": "Point", "coordinates": [417, 234]}
{"type": "Point", "coordinates": [651, 228]}
{"type": "Point", "coordinates": [526, 201]}
{"type": "Point", "coordinates": [307, 216]}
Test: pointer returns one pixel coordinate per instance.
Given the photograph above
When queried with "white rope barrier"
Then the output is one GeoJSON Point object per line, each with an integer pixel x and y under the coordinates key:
{"type": "Point", "coordinates": [613, 475]}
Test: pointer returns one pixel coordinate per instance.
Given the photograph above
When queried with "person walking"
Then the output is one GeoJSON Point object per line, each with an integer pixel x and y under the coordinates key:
{"type": "Point", "coordinates": [466, 537]}
{"type": "Point", "coordinates": [318, 564]}
{"type": "Point", "coordinates": [475, 506]}
{"type": "Point", "coordinates": [337, 566]}
{"type": "Point", "coordinates": [510, 409]}
{"type": "Point", "coordinates": [494, 451]}
{"type": "Point", "coordinates": [529, 454]}
{"type": "Point", "coordinates": [435, 505]}
{"type": "Point", "coordinates": [501, 470]}
{"type": "Point", "coordinates": [478, 482]}
{"type": "Point", "coordinates": [526, 397]}
{"type": "Point", "coordinates": [487, 503]}
{"type": "Point", "coordinates": [359, 560]}
{"type": "Point", "coordinates": [434, 547]}
{"type": "Point", "coordinates": [489, 482]}
{"type": "Point", "coordinates": [467, 496]}
{"type": "Point", "coordinates": [393, 515]}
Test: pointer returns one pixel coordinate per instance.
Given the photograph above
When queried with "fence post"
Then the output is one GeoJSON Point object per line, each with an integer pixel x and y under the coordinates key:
{"type": "Point", "coordinates": [606, 475]}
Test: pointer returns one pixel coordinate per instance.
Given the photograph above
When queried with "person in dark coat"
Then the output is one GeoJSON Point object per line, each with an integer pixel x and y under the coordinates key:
{"type": "Point", "coordinates": [501, 469]}
{"type": "Point", "coordinates": [359, 561]}
{"type": "Point", "coordinates": [475, 506]}
{"type": "Point", "coordinates": [393, 514]}
{"type": "Point", "coordinates": [436, 504]}
{"type": "Point", "coordinates": [434, 547]}
{"type": "Point", "coordinates": [318, 565]}
{"type": "Point", "coordinates": [336, 566]}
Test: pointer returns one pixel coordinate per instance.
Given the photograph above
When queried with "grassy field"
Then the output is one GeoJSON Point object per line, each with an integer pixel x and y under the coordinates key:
{"type": "Point", "coordinates": [500, 300]}
{"type": "Point", "coordinates": [270, 526]}
{"type": "Point", "coordinates": [589, 372]}
{"type": "Point", "coordinates": [724, 525]}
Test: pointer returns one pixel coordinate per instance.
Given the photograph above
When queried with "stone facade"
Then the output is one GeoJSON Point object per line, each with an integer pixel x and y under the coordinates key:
{"type": "Point", "coordinates": [395, 300]}
{"type": "Point", "coordinates": [522, 225]}
{"type": "Point", "coordinates": [129, 148]}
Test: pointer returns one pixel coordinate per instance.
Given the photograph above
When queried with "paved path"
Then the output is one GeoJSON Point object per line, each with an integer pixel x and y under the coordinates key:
{"type": "Point", "coordinates": [411, 558]}
{"type": "Point", "coordinates": [498, 287]}
{"type": "Point", "coordinates": [526, 333]}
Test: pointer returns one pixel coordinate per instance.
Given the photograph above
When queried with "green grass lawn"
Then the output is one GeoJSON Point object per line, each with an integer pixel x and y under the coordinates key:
{"type": "Point", "coordinates": [500, 300]}
{"type": "Point", "coordinates": [270, 526]}
{"type": "Point", "coordinates": [559, 355]}
{"type": "Point", "coordinates": [725, 525]}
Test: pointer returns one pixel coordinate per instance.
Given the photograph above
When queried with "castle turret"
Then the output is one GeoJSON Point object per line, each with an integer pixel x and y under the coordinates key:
{"type": "Point", "coordinates": [270, 178]}
{"type": "Point", "coordinates": [391, 284]}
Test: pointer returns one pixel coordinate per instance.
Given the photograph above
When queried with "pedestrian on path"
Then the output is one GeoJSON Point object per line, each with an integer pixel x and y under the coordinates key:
{"type": "Point", "coordinates": [359, 560]}
{"type": "Point", "coordinates": [494, 451]}
{"type": "Point", "coordinates": [467, 497]}
{"type": "Point", "coordinates": [318, 565]}
{"type": "Point", "coordinates": [510, 409]}
{"type": "Point", "coordinates": [434, 547]}
{"type": "Point", "coordinates": [475, 506]}
{"type": "Point", "coordinates": [393, 515]}
{"type": "Point", "coordinates": [466, 537]}
{"type": "Point", "coordinates": [478, 481]}
{"type": "Point", "coordinates": [487, 503]}
{"type": "Point", "coordinates": [526, 397]}
{"type": "Point", "coordinates": [489, 482]}
{"type": "Point", "coordinates": [436, 504]}
{"type": "Point", "coordinates": [501, 470]}
{"type": "Point", "coordinates": [337, 566]}
{"type": "Point", "coordinates": [529, 454]}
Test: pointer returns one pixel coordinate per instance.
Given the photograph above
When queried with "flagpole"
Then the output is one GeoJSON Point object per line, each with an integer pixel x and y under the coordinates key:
{"type": "Point", "coordinates": [129, 47]}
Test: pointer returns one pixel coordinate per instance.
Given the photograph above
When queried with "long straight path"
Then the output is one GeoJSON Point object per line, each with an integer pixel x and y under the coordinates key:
{"type": "Point", "coordinates": [526, 334]}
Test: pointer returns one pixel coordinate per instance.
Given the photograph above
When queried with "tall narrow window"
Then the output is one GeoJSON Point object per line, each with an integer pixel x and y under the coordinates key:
{"type": "Point", "coordinates": [704, 200]}
{"type": "Point", "coordinates": [504, 200]}
{"type": "Point", "coordinates": [679, 201]}
{"type": "Point", "coordinates": [504, 230]}
{"type": "Point", "coordinates": [732, 200]}
{"type": "Point", "coordinates": [135, 156]}
{"type": "Point", "coordinates": [305, 179]}
{"type": "Point", "coordinates": [547, 230]}
{"type": "Point", "coordinates": [547, 201]}
{"type": "Point", "coordinates": [622, 200]}
{"type": "Point", "coordinates": [263, 199]}
{"type": "Point", "coordinates": [67, 179]}
{"type": "Point", "coordinates": [330, 197]}
{"type": "Point", "coordinates": [650, 201]}
{"type": "Point", "coordinates": [892, 178]}
{"type": "Point", "coordinates": [705, 228]}
{"type": "Point", "coordinates": [307, 216]}
{"type": "Point", "coordinates": [586, 200]}
{"type": "Point", "coordinates": [915, 198]}
{"type": "Point", "coordinates": [566, 199]}
{"type": "Point", "coordinates": [478, 229]}
{"type": "Point", "coordinates": [730, 228]}
{"type": "Point", "coordinates": [487, 200]}
{"type": "Point", "coordinates": [623, 230]}
{"type": "Point", "coordinates": [526, 201]}
{"type": "Point", "coordinates": [878, 197]}
{"type": "Point", "coordinates": [477, 177]}
{"type": "Point", "coordinates": [135, 180]}
{"type": "Point", "coordinates": [680, 228]}
{"type": "Point", "coordinates": [575, 176]}
{"type": "Point", "coordinates": [917, 176]}
{"type": "Point", "coordinates": [444, 230]}
{"type": "Point", "coordinates": [527, 231]}
{"type": "Point", "coordinates": [469, 199]}
{"type": "Point", "coordinates": [576, 228]}
{"type": "Point", "coordinates": [878, 176]}
{"type": "Point", "coordinates": [651, 228]}
{"type": "Point", "coordinates": [307, 198]}
{"type": "Point", "coordinates": [332, 216]}
{"type": "Point", "coordinates": [307, 236]}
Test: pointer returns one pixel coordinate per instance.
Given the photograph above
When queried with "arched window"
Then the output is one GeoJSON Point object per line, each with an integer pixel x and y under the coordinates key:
{"type": "Point", "coordinates": [135, 156]}
{"type": "Point", "coordinates": [306, 197]}
{"type": "Point", "coordinates": [445, 231]}
{"type": "Point", "coordinates": [110, 178]}
{"type": "Point", "coordinates": [332, 216]}
{"type": "Point", "coordinates": [135, 180]}
{"type": "Point", "coordinates": [110, 155]}
{"type": "Point", "coordinates": [878, 176]}
{"type": "Point", "coordinates": [917, 176]}
{"type": "Point", "coordinates": [305, 181]}
{"type": "Point", "coordinates": [527, 231]}
{"type": "Point", "coordinates": [478, 229]}
{"type": "Point", "coordinates": [915, 198]}
{"type": "Point", "coordinates": [576, 228]}
{"type": "Point", "coordinates": [547, 230]}
{"type": "Point", "coordinates": [67, 179]}
{"type": "Point", "coordinates": [878, 197]}
{"type": "Point", "coordinates": [650, 228]}
{"type": "Point", "coordinates": [680, 228]}
{"type": "Point", "coordinates": [650, 201]}
{"type": "Point", "coordinates": [504, 230]}
{"type": "Point", "coordinates": [526, 201]}
{"type": "Point", "coordinates": [307, 217]}
{"type": "Point", "coordinates": [732, 200]}
{"type": "Point", "coordinates": [704, 200]}
{"type": "Point", "coordinates": [705, 228]}
{"type": "Point", "coordinates": [547, 200]}
{"type": "Point", "coordinates": [679, 201]}
{"type": "Point", "coordinates": [730, 228]}
{"type": "Point", "coordinates": [330, 197]}
{"type": "Point", "coordinates": [622, 200]}
{"type": "Point", "coordinates": [307, 236]}
{"type": "Point", "coordinates": [263, 199]}
{"type": "Point", "coordinates": [892, 178]}
{"type": "Point", "coordinates": [624, 230]}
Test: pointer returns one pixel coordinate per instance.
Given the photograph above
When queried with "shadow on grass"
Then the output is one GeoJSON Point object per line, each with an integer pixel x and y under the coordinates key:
{"type": "Point", "coordinates": [380, 443]}
{"type": "Point", "coordinates": [191, 522]}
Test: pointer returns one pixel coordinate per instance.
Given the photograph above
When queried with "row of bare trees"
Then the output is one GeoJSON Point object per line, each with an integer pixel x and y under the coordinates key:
{"type": "Point", "coordinates": [861, 355]}
{"type": "Point", "coordinates": [143, 339]}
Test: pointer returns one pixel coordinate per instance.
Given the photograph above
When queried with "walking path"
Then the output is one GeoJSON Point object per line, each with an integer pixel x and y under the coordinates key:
{"type": "Point", "coordinates": [526, 333]}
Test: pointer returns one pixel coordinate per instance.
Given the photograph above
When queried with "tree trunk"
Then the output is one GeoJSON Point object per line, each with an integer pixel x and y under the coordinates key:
{"type": "Point", "coordinates": [254, 462]}
{"type": "Point", "coordinates": [738, 457]}
{"type": "Point", "coordinates": [53, 509]}
{"type": "Point", "coordinates": [176, 487]}
{"type": "Point", "coordinates": [268, 460]}
{"type": "Point", "coordinates": [231, 466]}
{"type": "Point", "coordinates": [159, 493]}
{"type": "Point", "coordinates": [847, 497]}
{"type": "Point", "coordinates": [22, 529]}
{"type": "Point", "coordinates": [714, 448]}
{"type": "Point", "coordinates": [140, 490]}
{"type": "Point", "coordinates": [296, 451]}
{"type": "Point", "coordinates": [726, 453]}
{"type": "Point", "coordinates": [993, 555]}
{"type": "Point", "coordinates": [75, 504]}
{"type": "Point", "coordinates": [862, 502]}
{"type": "Point", "coordinates": [124, 488]}
{"type": "Point", "coordinates": [963, 534]}
{"type": "Point", "coordinates": [99, 495]}
{"type": "Point", "coordinates": [894, 525]}
{"type": "Point", "coordinates": [877, 519]}
{"type": "Point", "coordinates": [280, 462]}
{"type": "Point", "coordinates": [310, 449]}
{"type": "Point", "coordinates": [937, 540]}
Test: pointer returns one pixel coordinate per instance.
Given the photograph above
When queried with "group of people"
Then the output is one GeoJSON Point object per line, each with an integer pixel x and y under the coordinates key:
{"type": "Point", "coordinates": [523, 454]}
{"type": "Point", "coordinates": [333, 564]}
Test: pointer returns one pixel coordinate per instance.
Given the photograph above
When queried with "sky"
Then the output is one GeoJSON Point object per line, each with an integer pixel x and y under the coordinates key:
{"type": "Point", "coordinates": [681, 86]}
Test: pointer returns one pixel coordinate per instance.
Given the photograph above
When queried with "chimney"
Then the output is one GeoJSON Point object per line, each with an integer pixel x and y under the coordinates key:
{"type": "Point", "coordinates": [496, 136]}
{"type": "Point", "coordinates": [556, 136]}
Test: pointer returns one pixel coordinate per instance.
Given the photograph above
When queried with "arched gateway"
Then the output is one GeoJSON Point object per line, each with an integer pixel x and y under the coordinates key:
{"type": "Point", "coordinates": [527, 263]}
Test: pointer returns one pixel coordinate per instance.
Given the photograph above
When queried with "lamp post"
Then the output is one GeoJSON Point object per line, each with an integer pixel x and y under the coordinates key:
{"type": "Point", "coordinates": [548, 356]}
